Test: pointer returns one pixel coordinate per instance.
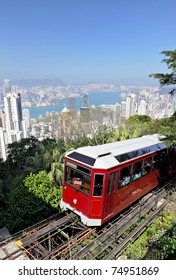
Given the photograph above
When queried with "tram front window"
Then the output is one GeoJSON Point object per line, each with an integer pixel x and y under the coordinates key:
{"type": "Point", "coordinates": [78, 179]}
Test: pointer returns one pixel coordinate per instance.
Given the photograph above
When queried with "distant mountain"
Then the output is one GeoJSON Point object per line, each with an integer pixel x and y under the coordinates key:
{"type": "Point", "coordinates": [28, 83]}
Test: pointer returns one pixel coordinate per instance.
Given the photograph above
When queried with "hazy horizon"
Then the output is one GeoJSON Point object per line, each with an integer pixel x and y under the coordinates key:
{"type": "Point", "coordinates": [32, 82]}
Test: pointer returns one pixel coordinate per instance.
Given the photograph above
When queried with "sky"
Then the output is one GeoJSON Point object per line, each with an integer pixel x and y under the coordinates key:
{"type": "Point", "coordinates": [111, 41]}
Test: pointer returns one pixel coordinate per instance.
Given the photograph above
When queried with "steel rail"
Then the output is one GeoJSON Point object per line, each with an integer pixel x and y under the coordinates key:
{"type": "Point", "coordinates": [134, 234]}
{"type": "Point", "coordinates": [32, 237]}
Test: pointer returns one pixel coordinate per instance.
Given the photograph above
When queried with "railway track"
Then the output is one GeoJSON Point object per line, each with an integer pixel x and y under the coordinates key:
{"type": "Point", "coordinates": [127, 226]}
{"type": "Point", "coordinates": [65, 237]}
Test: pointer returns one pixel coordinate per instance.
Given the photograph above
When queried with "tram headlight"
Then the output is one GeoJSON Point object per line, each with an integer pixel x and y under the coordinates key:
{"type": "Point", "coordinates": [75, 201]}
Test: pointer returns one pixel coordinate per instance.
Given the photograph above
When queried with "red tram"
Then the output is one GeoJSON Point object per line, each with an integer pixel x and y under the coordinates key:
{"type": "Point", "coordinates": [101, 181]}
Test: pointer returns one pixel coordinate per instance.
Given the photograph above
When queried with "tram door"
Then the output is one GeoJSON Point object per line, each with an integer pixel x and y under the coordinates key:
{"type": "Point", "coordinates": [110, 194]}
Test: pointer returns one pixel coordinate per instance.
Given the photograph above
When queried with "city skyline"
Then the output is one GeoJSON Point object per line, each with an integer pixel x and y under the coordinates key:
{"type": "Point", "coordinates": [110, 41]}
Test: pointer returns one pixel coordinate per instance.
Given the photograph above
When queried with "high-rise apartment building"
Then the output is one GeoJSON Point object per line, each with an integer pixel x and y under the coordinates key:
{"type": "Point", "coordinates": [2, 119]}
{"type": "Point", "coordinates": [142, 108]}
{"type": "Point", "coordinates": [13, 112]}
{"type": "Point", "coordinates": [6, 87]}
{"type": "Point", "coordinates": [123, 109]}
{"type": "Point", "coordinates": [131, 105]}
{"type": "Point", "coordinates": [85, 100]}
{"type": "Point", "coordinates": [3, 143]}
{"type": "Point", "coordinates": [26, 118]}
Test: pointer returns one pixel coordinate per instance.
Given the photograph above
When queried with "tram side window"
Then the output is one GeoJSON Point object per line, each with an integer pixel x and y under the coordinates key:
{"type": "Point", "coordinates": [171, 153]}
{"type": "Point", "coordinates": [124, 176]}
{"type": "Point", "coordinates": [156, 162]}
{"type": "Point", "coordinates": [111, 182]}
{"type": "Point", "coordinates": [146, 166]}
{"type": "Point", "coordinates": [98, 184]}
{"type": "Point", "coordinates": [137, 171]}
{"type": "Point", "coordinates": [162, 157]}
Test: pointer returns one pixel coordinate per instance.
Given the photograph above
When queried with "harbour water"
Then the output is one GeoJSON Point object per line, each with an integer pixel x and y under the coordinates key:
{"type": "Point", "coordinates": [94, 98]}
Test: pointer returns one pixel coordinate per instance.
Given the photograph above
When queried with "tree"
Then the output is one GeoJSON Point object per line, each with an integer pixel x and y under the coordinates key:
{"type": "Point", "coordinates": [44, 188]}
{"type": "Point", "coordinates": [168, 78]}
{"type": "Point", "coordinates": [54, 159]}
{"type": "Point", "coordinates": [135, 126]}
{"type": "Point", "coordinates": [18, 152]}
{"type": "Point", "coordinates": [27, 204]}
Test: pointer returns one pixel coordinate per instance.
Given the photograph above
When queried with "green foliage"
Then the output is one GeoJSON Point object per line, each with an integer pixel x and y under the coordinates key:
{"type": "Point", "coordinates": [23, 210]}
{"type": "Point", "coordinates": [26, 199]}
{"type": "Point", "coordinates": [139, 119]}
{"type": "Point", "coordinates": [166, 245]}
{"type": "Point", "coordinates": [135, 126]}
{"type": "Point", "coordinates": [167, 79]}
{"type": "Point", "coordinates": [80, 142]}
{"type": "Point", "coordinates": [54, 158]}
{"type": "Point", "coordinates": [157, 242]}
{"type": "Point", "coordinates": [103, 135]}
{"type": "Point", "coordinates": [43, 187]}
{"type": "Point", "coordinates": [27, 204]}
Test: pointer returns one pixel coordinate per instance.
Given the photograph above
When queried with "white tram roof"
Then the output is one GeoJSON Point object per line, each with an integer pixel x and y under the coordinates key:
{"type": "Point", "coordinates": [112, 154]}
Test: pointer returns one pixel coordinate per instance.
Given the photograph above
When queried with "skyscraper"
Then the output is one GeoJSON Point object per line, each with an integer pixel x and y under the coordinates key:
{"type": "Point", "coordinates": [131, 105]}
{"type": "Point", "coordinates": [6, 87]}
{"type": "Point", "coordinates": [3, 143]}
{"type": "Point", "coordinates": [13, 112]}
{"type": "Point", "coordinates": [123, 108]}
{"type": "Point", "coordinates": [142, 109]}
{"type": "Point", "coordinates": [26, 118]}
{"type": "Point", "coordinates": [2, 119]}
{"type": "Point", "coordinates": [85, 100]}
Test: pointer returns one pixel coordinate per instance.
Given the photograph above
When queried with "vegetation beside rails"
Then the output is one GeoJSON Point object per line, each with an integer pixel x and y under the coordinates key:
{"type": "Point", "coordinates": [158, 242]}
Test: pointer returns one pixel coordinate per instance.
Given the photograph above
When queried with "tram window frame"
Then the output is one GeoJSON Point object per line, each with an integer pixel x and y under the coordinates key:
{"type": "Point", "coordinates": [162, 156]}
{"type": "Point", "coordinates": [98, 187]}
{"type": "Point", "coordinates": [111, 182]}
{"type": "Point", "coordinates": [108, 184]}
{"type": "Point", "coordinates": [146, 166]}
{"type": "Point", "coordinates": [117, 179]}
{"type": "Point", "coordinates": [79, 179]}
{"type": "Point", "coordinates": [124, 179]}
{"type": "Point", "coordinates": [137, 166]}
{"type": "Point", "coordinates": [156, 162]}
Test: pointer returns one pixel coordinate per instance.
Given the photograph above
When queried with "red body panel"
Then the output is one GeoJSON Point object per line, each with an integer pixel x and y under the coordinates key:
{"type": "Point", "coordinates": [77, 199]}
